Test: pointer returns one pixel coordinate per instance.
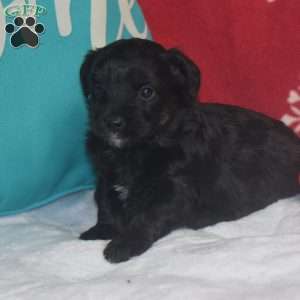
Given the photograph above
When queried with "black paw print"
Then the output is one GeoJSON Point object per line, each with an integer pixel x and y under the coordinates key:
{"type": "Point", "coordinates": [24, 33]}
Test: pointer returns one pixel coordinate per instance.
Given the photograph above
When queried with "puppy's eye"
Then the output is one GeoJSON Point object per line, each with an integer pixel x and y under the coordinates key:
{"type": "Point", "coordinates": [146, 92]}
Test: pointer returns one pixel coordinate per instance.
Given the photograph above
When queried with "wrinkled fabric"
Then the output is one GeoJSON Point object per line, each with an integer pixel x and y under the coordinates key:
{"type": "Point", "coordinates": [257, 257]}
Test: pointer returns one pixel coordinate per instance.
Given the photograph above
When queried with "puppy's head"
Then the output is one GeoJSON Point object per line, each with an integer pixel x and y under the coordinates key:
{"type": "Point", "coordinates": [135, 88]}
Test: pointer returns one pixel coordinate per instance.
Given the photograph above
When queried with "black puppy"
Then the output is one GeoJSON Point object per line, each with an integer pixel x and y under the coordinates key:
{"type": "Point", "coordinates": [162, 160]}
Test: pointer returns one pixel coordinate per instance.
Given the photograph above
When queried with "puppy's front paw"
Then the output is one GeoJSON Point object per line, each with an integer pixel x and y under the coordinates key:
{"type": "Point", "coordinates": [98, 232]}
{"type": "Point", "coordinates": [119, 250]}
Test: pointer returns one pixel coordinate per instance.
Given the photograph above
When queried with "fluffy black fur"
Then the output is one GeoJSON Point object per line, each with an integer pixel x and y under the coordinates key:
{"type": "Point", "coordinates": [164, 161]}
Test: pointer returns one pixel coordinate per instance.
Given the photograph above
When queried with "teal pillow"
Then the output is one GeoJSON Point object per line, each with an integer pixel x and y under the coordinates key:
{"type": "Point", "coordinates": [42, 113]}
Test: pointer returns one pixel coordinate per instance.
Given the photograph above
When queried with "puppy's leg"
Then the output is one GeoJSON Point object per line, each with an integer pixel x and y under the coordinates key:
{"type": "Point", "coordinates": [141, 233]}
{"type": "Point", "coordinates": [99, 232]}
{"type": "Point", "coordinates": [104, 229]}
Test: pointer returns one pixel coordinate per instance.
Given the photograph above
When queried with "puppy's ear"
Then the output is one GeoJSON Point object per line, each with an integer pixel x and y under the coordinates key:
{"type": "Point", "coordinates": [85, 72]}
{"type": "Point", "coordinates": [186, 72]}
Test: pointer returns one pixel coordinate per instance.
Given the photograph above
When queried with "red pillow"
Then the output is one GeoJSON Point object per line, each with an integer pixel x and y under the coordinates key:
{"type": "Point", "coordinates": [248, 51]}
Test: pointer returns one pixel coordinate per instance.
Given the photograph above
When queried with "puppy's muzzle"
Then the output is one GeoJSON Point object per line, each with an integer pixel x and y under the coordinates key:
{"type": "Point", "coordinates": [114, 124]}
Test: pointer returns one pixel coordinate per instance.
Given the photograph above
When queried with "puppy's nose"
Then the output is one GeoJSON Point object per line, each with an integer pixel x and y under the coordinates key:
{"type": "Point", "coordinates": [115, 123]}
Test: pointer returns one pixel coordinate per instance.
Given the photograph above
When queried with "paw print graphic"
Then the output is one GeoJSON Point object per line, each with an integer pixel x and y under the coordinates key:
{"type": "Point", "coordinates": [24, 32]}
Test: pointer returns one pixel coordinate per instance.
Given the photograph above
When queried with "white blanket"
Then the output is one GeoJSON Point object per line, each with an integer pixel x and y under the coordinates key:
{"type": "Point", "coordinates": [257, 257]}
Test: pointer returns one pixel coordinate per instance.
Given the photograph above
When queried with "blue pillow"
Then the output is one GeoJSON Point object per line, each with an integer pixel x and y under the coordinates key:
{"type": "Point", "coordinates": [42, 113]}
